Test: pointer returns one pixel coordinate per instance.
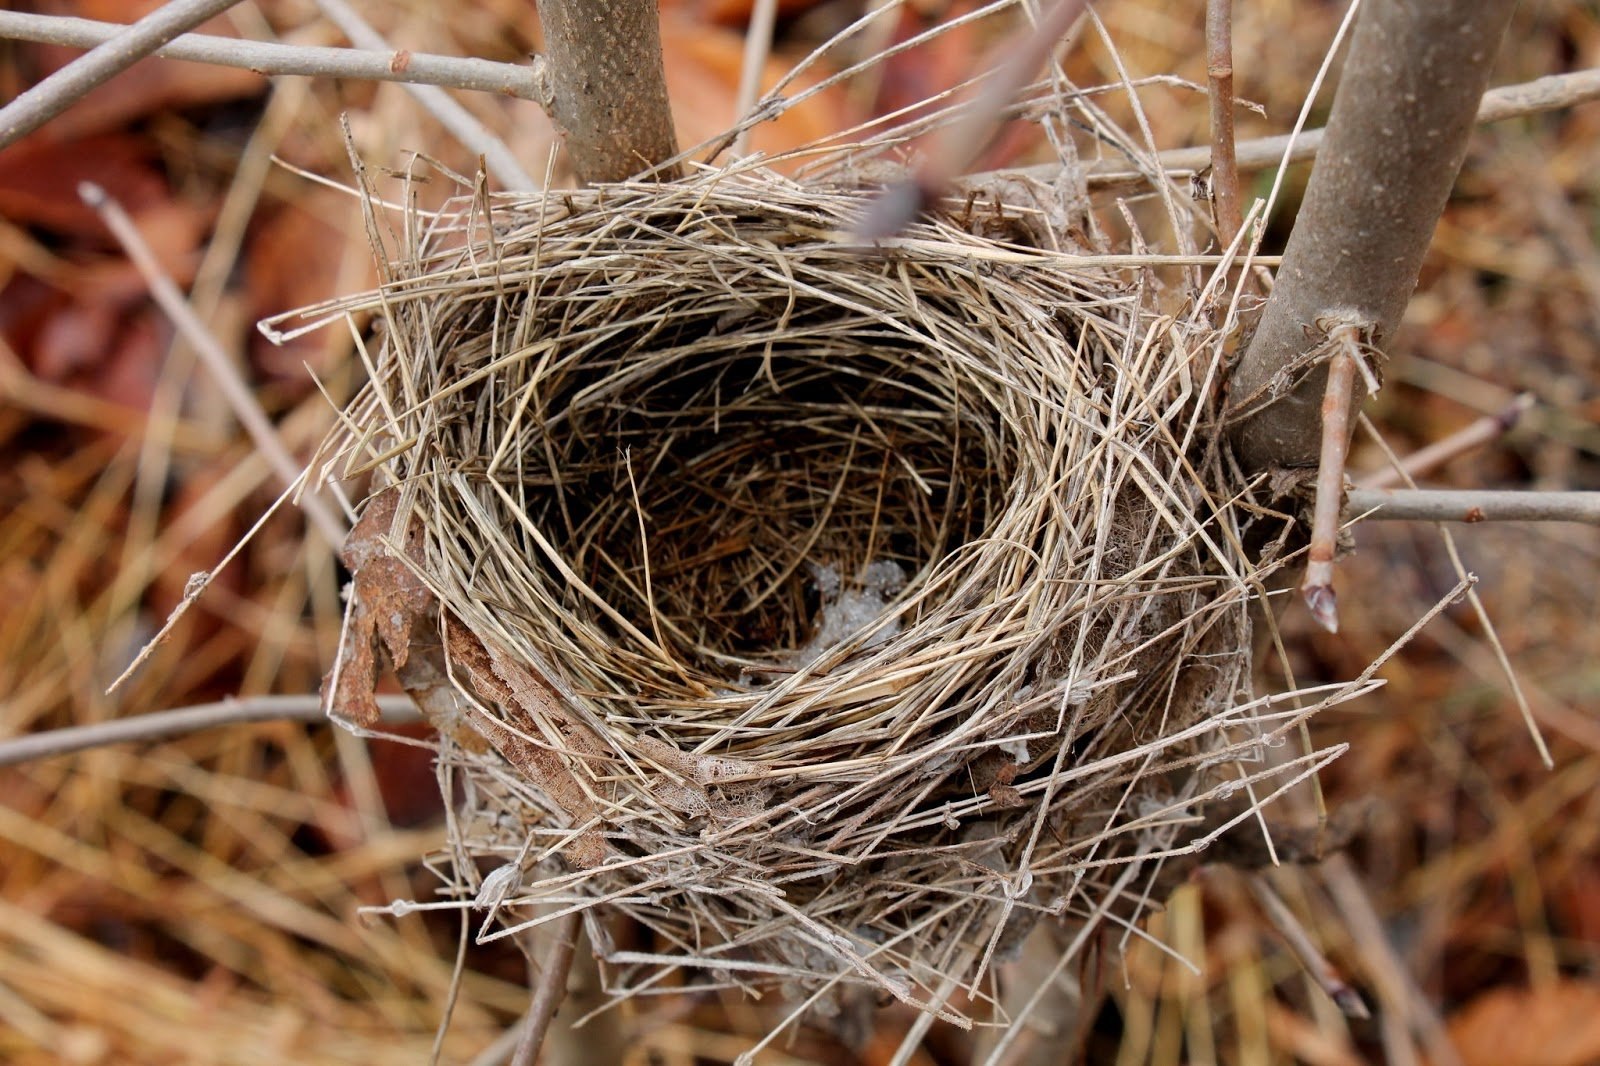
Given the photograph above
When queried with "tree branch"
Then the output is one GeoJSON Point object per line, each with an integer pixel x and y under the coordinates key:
{"type": "Point", "coordinates": [549, 991]}
{"type": "Point", "coordinates": [1551, 93]}
{"type": "Point", "coordinates": [1396, 139]}
{"type": "Point", "coordinates": [1474, 505]}
{"type": "Point", "coordinates": [273, 58]}
{"type": "Point", "coordinates": [1219, 77]}
{"type": "Point", "coordinates": [71, 83]}
{"type": "Point", "coordinates": [609, 86]}
{"type": "Point", "coordinates": [181, 721]}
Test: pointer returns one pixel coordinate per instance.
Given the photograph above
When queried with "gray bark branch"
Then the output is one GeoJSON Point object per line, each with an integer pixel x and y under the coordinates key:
{"type": "Point", "coordinates": [1396, 138]}
{"type": "Point", "coordinates": [609, 86]}
{"type": "Point", "coordinates": [53, 95]}
{"type": "Point", "coordinates": [1474, 505]}
{"type": "Point", "coordinates": [273, 58]}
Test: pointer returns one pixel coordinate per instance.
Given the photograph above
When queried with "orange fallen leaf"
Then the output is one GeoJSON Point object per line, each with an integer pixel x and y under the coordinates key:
{"type": "Point", "coordinates": [1553, 1026]}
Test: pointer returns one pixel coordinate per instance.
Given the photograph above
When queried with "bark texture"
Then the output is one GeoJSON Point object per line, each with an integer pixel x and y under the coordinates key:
{"type": "Point", "coordinates": [609, 86]}
{"type": "Point", "coordinates": [1395, 141]}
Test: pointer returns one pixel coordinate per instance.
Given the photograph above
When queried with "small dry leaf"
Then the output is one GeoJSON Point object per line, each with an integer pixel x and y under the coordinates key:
{"type": "Point", "coordinates": [387, 600]}
{"type": "Point", "coordinates": [1554, 1026]}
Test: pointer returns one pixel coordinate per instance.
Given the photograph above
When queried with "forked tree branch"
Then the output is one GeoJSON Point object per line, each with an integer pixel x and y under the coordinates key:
{"type": "Point", "coordinates": [1396, 138]}
{"type": "Point", "coordinates": [271, 57]}
{"type": "Point", "coordinates": [609, 86]}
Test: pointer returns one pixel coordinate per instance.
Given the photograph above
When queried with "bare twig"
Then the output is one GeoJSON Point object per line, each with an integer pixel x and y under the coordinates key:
{"type": "Point", "coordinates": [1404, 1008]}
{"type": "Point", "coordinates": [1551, 93]}
{"type": "Point", "coordinates": [1490, 632]}
{"type": "Point", "coordinates": [499, 160]}
{"type": "Point", "coordinates": [1420, 462]}
{"type": "Point", "coordinates": [1219, 76]}
{"type": "Point", "coordinates": [1474, 505]}
{"type": "Point", "coordinates": [1288, 926]}
{"type": "Point", "coordinates": [1317, 588]}
{"type": "Point", "coordinates": [243, 402]}
{"type": "Point", "coordinates": [274, 58]}
{"type": "Point", "coordinates": [1396, 140]}
{"type": "Point", "coordinates": [550, 990]}
{"type": "Point", "coordinates": [609, 87]}
{"type": "Point", "coordinates": [53, 95]}
{"type": "Point", "coordinates": [181, 721]}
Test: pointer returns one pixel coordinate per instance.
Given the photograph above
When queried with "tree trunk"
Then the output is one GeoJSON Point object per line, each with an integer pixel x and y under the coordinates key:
{"type": "Point", "coordinates": [1395, 141]}
{"type": "Point", "coordinates": [609, 86]}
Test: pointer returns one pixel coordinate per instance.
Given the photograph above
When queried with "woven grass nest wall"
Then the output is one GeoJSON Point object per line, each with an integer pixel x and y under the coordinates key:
{"type": "Point", "coordinates": [837, 614]}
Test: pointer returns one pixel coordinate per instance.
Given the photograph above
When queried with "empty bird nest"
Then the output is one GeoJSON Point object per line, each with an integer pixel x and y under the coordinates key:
{"type": "Point", "coordinates": [836, 613]}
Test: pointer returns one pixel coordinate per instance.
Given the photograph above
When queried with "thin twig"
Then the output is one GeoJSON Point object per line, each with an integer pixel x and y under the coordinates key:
{"type": "Point", "coordinates": [275, 58]}
{"type": "Point", "coordinates": [71, 83]}
{"type": "Point", "coordinates": [1481, 432]}
{"type": "Point", "coordinates": [1404, 1006]}
{"type": "Point", "coordinates": [1316, 964]}
{"type": "Point", "coordinates": [181, 721]}
{"type": "Point", "coordinates": [1551, 93]}
{"type": "Point", "coordinates": [499, 160]}
{"type": "Point", "coordinates": [243, 402]}
{"type": "Point", "coordinates": [1490, 632]}
{"type": "Point", "coordinates": [1475, 505]}
{"type": "Point", "coordinates": [1219, 78]}
{"type": "Point", "coordinates": [757, 46]}
{"type": "Point", "coordinates": [1317, 588]}
{"type": "Point", "coordinates": [550, 990]}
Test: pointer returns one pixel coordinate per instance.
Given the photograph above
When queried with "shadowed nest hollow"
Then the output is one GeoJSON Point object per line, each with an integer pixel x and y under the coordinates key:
{"type": "Point", "coordinates": [837, 614]}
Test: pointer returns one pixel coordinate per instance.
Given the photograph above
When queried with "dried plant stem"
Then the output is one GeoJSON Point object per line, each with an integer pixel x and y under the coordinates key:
{"type": "Point", "coordinates": [757, 47]}
{"type": "Point", "coordinates": [240, 398]}
{"type": "Point", "coordinates": [181, 721]}
{"type": "Point", "coordinates": [1316, 964]}
{"type": "Point", "coordinates": [610, 88]}
{"type": "Point", "coordinates": [1474, 505]}
{"type": "Point", "coordinates": [53, 95]}
{"type": "Point", "coordinates": [549, 991]}
{"type": "Point", "coordinates": [1405, 1009]}
{"type": "Point", "coordinates": [1396, 140]}
{"type": "Point", "coordinates": [1479, 433]}
{"type": "Point", "coordinates": [1317, 588]}
{"type": "Point", "coordinates": [274, 58]}
{"type": "Point", "coordinates": [499, 160]}
{"type": "Point", "coordinates": [1219, 77]}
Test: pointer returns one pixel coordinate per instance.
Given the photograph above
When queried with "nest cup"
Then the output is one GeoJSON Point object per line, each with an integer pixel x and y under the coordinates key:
{"type": "Point", "coordinates": [875, 595]}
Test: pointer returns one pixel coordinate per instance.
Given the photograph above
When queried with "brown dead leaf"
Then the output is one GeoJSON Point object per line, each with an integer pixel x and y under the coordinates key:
{"type": "Point", "coordinates": [520, 740]}
{"type": "Point", "coordinates": [1554, 1026]}
{"type": "Point", "coordinates": [39, 181]}
{"type": "Point", "coordinates": [387, 601]}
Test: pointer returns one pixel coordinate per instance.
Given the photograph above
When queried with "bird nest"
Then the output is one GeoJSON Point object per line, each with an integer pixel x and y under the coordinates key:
{"type": "Point", "coordinates": [835, 613]}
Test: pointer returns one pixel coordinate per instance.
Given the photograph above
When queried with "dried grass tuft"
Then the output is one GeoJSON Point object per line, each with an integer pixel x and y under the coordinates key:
{"type": "Point", "coordinates": [836, 614]}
